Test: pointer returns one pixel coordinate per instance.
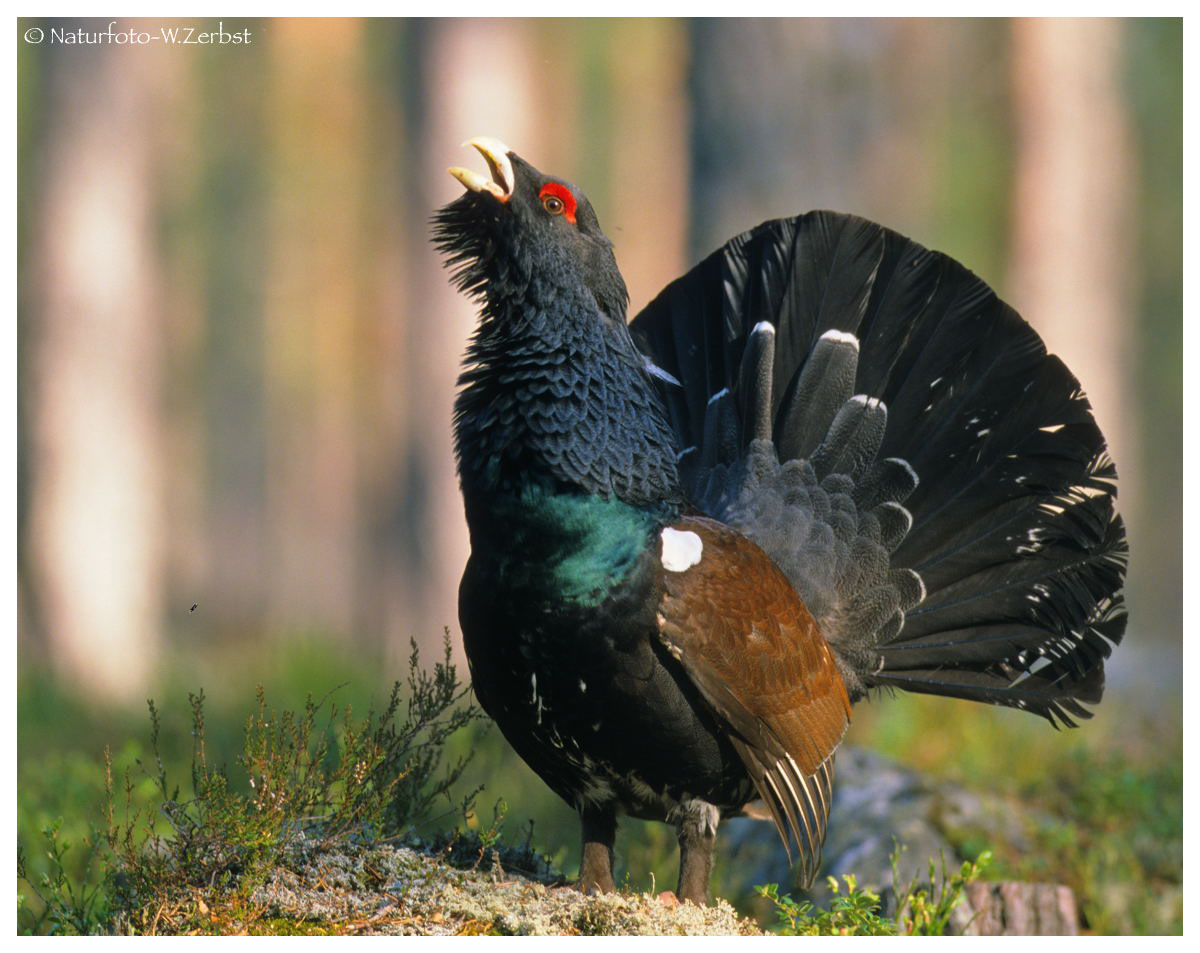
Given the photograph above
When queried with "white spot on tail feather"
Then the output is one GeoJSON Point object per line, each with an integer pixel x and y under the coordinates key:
{"type": "Point", "coordinates": [842, 337]}
{"type": "Point", "coordinates": [723, 392]}
{"type": "Point", "coordinates": [866, 401]}
{"type": "Point", "coordinates": [763, 327]}
{"type": "Point", "coordinates": [894, 507]}
{"type": "Point", "coordinates": [681, 549]}
{"type": "Point", "coordinates": [904, 463]}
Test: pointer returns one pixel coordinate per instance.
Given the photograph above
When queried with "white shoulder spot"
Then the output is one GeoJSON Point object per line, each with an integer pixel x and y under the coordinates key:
{"type": "Point", "coordinates": [681, 549]}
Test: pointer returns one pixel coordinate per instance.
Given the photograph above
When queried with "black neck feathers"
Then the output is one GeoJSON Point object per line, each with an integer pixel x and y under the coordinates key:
{"type": "Point", "coordinates": [554, 389]}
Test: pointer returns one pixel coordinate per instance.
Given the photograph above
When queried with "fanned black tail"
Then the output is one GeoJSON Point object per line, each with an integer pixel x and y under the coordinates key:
{"type": "Point", "coordinates": [900, 442]}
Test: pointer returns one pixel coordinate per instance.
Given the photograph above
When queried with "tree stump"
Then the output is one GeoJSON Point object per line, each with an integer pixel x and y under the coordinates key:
{"type": "Point", "coordinates": [1021, 909]}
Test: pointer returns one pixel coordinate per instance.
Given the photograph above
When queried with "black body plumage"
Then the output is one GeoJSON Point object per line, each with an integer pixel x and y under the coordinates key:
{"type": "Point", "coordinates": [568, 471]}
{"type": "Point", "coordinates": [869, 418]}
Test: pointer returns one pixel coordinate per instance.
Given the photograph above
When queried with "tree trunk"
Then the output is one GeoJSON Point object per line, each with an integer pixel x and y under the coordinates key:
{"type": "Point", "coordinates": [1021, 909]}
{"type": "Point", "coordinates": [96, 523]}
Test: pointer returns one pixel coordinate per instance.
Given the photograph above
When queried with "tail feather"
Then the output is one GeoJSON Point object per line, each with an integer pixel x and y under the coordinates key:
{"type": "Point", "coordinates": [899, 441]}
{"type": "Point", "coordinates": [817, 393]}
{"type": "Point", "coordinates": [854, 437]}
{"type": "Point", "coordinates": [756, 381]}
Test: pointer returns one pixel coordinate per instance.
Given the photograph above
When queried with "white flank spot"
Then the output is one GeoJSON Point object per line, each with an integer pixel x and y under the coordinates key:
{"type": "Point", "coordinates": [582, 685]}
{"type": "Point", "coordinates": [842, 337]}
{"type": "Point", "coordinates": [723, 392]}
{"type": "Point", "coordinates": [763, 327]}
{"type": "Point", "coordinates": [681, 549]}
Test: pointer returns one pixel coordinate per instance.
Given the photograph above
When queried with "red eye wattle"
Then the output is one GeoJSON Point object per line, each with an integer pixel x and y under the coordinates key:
{"type": "Point", "coordinates": [558, 200]}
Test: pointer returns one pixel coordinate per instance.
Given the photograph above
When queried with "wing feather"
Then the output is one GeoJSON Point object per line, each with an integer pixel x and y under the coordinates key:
{"type": "Point", "coordinates": [747, 642]}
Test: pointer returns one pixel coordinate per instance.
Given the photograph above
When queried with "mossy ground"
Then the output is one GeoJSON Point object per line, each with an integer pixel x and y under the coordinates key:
{"type": "Point", "coordinates": [414, 889]}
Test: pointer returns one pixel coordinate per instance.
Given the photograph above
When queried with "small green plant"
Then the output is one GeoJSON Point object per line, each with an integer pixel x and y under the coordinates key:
{"type": "Point", "coordinates": [494, 834]}
{"type": "Point", "coordinates": [923, 909]}
{"type": "Point", "coordinates": [485, 847]}
{"type": "Point", "coordinates": [926, 908]}
{"type": "Point", "coordinates": [857, 912]}
{"type": "Point", "coordinates": [306, 780]}
{"type": "Point", "coordinates": [68, 907]}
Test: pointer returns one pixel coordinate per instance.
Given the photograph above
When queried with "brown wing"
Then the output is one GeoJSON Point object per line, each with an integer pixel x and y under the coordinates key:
{"type": "Point", "coordinates": [748, 643]}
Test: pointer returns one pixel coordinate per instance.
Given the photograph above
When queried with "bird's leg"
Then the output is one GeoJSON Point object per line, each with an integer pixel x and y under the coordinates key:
{"type": "Point", "coordinates": [599, 834]}
{"type": "Point", "coordinates": [696, 822]}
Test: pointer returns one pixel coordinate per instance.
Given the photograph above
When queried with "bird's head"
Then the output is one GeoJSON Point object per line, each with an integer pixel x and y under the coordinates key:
{"type": "Point", "coordinates": [518, 231]}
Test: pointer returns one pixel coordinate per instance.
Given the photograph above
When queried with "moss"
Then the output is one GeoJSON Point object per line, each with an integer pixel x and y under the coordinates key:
{"type": "Point", "coordinates": [388, 890]}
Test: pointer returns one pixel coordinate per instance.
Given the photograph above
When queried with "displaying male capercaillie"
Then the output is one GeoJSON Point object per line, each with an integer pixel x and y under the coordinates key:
{"type": "Point", "coordinates": [825, 460]}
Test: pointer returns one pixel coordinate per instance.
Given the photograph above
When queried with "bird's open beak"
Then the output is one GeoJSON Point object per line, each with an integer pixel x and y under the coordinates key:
{"type": "Point", "coordinates": [495, 153]}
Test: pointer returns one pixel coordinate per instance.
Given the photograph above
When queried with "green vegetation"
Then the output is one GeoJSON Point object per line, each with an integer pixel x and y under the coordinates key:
{"type": "Point", "coordinates": [1098, 808]}
{"type": "Point", "coordinates": [1111, 831]}
{"type": "Point", "coordinates": [924, 909]}
{"type": "Point", "coordinates": [311, 780]}
{"type": "Point", "coordinates": [112, 844]}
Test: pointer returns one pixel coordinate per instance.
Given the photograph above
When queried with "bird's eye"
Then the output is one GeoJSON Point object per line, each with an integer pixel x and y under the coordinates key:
{"type": "Point", "coordinates": [558, 200]}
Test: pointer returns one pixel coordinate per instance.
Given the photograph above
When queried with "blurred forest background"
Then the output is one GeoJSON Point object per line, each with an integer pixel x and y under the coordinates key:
{"type": "Point", "coordinates": [238, 351]}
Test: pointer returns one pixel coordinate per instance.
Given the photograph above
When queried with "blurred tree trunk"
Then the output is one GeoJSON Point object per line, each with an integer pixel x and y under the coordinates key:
{"type": "Point", "coordinates": [650, 163]}
{"type": "Point", "coordinates": [225, 214]}
{"type": "Point", "coordinates": [313, 321]}
{"type": "Point", "coordinates": [1072, 255]}
{"type": "Point", "coordinates": [778, 125]}
{"type": "Point", "coordinates": [96, 524]}
{"type": "Point", "coordinates": [899, 121]}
